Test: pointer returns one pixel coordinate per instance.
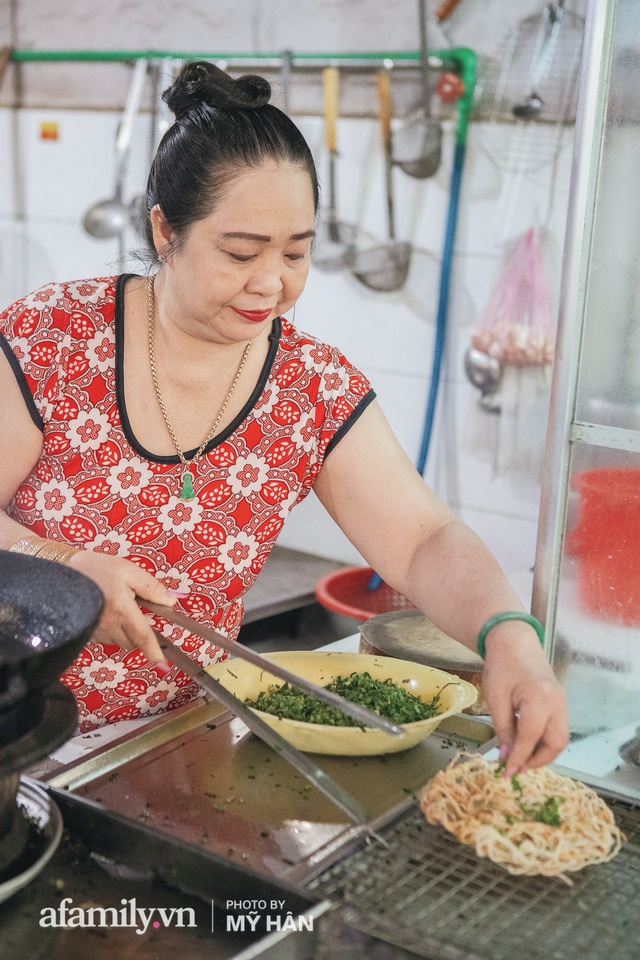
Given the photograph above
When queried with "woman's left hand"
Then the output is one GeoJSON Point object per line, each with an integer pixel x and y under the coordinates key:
{"type": "Point", "coordinates": [527, 702]}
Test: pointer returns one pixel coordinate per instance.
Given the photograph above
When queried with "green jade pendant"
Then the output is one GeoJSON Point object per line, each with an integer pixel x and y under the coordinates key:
{"type": "Point", "coordinates": [186, 491]}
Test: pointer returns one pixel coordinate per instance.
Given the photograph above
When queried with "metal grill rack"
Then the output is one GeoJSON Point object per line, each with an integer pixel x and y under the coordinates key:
{"type": "Point", "coordinates": [429, 894]}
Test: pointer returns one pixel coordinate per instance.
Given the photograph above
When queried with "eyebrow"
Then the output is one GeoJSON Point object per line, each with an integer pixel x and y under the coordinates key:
{"type": "Point", "coordinates": [241, 235]}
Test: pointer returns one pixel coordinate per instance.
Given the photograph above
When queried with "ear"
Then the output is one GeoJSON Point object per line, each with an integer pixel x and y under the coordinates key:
{"type": "Point", "coordinates": [162, 232]}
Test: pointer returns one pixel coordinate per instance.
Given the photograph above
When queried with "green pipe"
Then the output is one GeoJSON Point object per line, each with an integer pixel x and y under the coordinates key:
{"type": "Point", "coordinates": [467, 62]}
{"type": "Point", "coordinates": [30, 56]}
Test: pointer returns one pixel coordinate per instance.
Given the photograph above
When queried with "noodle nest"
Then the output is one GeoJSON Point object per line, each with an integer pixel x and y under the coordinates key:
{"type": "Point", "coordinates": [502, 817]}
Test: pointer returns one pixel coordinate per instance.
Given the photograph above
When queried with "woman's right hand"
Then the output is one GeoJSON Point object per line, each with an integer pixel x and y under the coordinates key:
{"type": "Point", "coordinates": [121, 582]}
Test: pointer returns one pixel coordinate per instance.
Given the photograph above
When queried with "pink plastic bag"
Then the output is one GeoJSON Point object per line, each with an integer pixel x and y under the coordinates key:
{"type": "Point", "coordinates": [516, 325]}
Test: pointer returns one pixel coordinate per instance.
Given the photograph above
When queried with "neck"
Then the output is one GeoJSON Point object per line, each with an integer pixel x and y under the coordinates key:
{"type": "Point", "coordinates": [187, 339]}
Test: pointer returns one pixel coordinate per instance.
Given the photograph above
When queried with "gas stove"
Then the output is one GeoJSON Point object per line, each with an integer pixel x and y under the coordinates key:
{"type": "Point", "coordinates": [29, 730]}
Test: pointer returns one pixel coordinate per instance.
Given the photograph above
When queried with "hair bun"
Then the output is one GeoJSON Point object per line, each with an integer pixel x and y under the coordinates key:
{"type": "Point", "coordinates": [202, 83]}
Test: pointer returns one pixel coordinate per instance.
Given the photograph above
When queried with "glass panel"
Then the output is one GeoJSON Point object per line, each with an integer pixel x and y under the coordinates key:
{"type": "Point", "coordinates": [609, 382]}
{"type": "Point", "coordinates": [597, 648]}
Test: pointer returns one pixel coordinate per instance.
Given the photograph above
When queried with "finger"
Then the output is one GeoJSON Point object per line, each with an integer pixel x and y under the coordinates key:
{"type": "Point", "coordinates": [555, 740]}
{"type": "Point", "coordinates": [146, 641]}
{"type": "Point", "coordinates": [538, 740]}
{"type": "Point", "coordinates": [140, 634]}
{"type": "Point", "coordinates": [528, 736]}
{"type": "Point", "coordinates": [148, 588]}
{"type": "Point", "coordinates": [118, 635]}
{"type": "Point", "coordinates": [504, 724]}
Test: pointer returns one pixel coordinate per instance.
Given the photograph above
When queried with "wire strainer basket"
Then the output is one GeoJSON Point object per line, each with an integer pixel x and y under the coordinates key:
{"type": "Point", "coordinates": [531, 54]}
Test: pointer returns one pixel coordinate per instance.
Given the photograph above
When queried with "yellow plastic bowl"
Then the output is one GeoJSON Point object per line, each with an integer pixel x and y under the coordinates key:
{"type": "Point", "coordinates": [245, 681]}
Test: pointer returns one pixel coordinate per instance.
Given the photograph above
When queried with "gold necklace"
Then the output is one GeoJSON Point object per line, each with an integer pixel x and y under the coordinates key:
{"type": "Point", "coordinates": [186, 490]}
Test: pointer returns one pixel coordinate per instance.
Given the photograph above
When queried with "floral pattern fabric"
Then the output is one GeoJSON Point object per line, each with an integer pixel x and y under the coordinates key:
{"type": "Point", "coordinates": [97, 488]}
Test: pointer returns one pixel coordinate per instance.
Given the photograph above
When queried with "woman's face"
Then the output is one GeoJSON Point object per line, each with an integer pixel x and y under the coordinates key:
{"type": "Point", "coordinates": [246, 262]}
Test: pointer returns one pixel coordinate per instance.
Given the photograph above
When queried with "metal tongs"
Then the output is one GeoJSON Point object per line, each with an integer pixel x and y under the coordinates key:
{"type": "Point", "coordinates": [299, 760]}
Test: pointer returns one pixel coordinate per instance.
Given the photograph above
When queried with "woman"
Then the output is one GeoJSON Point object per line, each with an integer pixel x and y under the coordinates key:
{"type": "Point", "coordinates": [162, 428]}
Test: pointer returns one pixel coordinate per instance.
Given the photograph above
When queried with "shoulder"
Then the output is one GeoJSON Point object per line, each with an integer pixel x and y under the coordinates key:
{"type": "Point", "coordinates": [59, 301]}
{"type": "Point", "coordinates": [313, 351]}
{"type": "Point", "coordinates": [325, 371]}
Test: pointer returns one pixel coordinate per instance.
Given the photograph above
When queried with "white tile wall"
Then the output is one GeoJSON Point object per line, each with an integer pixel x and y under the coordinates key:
{"type": "Point", "coordinates": [7, 164]}
{"type": "Point", "coordinates": [63, 177]}
{"type": "Point", "coordinates": [66, 252]}
{"type": "Point", "coordinates": [389, 336]}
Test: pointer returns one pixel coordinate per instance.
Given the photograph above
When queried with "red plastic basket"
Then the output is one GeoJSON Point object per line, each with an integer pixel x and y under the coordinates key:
{"type": "Point", "coordinates": [347, 592]}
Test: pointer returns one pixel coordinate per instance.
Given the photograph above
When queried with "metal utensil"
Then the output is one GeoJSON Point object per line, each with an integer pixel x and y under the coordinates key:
{"type": "Point", "coordinates": [552, 18]}
{"type": "Point", "coordinates": [384, 267]}
{"type": "Point", "coordinates": [334, 248]}
{"type": "Point", "coordinates": [5, 57]}
{"type": "Point", "coordinates": [364, 716]}
{"type": "Point", "coordinates": [163, 74]}
{"type": "Point", "coordinates": [485, 373]}
{"type": "Point", "coordinates": [417, 143]}
{"type": "Point", "coordinates": [110, 218]}
{"type": "Point", "coordinates": [311, 771]}
{"type": "Point", "coordinates": [287, 71]}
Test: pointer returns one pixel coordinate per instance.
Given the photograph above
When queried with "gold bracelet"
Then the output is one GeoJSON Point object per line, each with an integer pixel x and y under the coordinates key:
{"type": "Point", "coordinates": [44, 549]}
{"type": "Point", "coordinates": [29, 546]}
{"type": "Point", "coordinates": [60, 553]}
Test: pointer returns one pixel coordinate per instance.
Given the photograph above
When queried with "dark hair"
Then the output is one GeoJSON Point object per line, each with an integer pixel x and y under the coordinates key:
{"type": "Point", "coordinates": [221, 126]}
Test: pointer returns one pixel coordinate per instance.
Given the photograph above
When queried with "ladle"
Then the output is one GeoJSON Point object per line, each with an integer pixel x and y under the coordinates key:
{"type": "Point", "coordinates": [163, 75]}
{"type": "Point", "coordinates": [417, 143]}
{"type": "Point", "coordinates": [110, 218]}
{"type": "Point", "coordinates": [531, 107]}
{"type": "Point", "coordinates": [384, 267]}
{"type": "Point", "coordinates": [334, 249]}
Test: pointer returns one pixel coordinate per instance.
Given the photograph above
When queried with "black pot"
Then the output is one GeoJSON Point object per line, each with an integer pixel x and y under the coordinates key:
{"type": "Point", "coordinates": [48, 612]}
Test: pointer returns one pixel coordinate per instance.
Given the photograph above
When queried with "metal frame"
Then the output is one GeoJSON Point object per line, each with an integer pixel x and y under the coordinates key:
{"type": "Point", "coordinates": [564, 429]}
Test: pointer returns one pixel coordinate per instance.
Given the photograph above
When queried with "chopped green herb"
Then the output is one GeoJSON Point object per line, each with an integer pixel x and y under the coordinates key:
{"type": "Point", "coordinates": [547, 812]}
{"type": "Point", "coordinates": [383, 696]}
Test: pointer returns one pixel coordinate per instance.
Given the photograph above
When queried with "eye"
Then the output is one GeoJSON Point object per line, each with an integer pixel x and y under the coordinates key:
{"type": "Point", "coordinates": [241, 258]}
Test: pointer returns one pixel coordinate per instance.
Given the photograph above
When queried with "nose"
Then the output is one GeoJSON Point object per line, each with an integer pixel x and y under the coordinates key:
{"type": "Point", "coordinates": [265, 280]}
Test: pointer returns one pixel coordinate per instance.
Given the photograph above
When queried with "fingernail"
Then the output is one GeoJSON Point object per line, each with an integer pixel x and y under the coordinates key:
{"type": "Point", "coordinates": [180, 594]}
{"type": "Point", "coordinates": [503, 752]}
{"type": "Point", "coordinates": [163, 668]}
{"type": "Point", "coordinates": [509, 771]}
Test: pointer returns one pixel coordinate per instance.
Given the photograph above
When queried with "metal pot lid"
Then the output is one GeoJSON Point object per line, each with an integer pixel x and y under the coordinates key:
{"type": "Point", "coordinates": [410, 635]}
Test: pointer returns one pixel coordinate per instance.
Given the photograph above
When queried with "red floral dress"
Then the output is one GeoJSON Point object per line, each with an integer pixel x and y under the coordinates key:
{"type": "Point", "coordinates": [97, 488]}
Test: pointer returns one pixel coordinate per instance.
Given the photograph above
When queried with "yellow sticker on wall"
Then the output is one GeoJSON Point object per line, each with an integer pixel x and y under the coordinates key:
{"type": "Point", "coordinates": [49, 130]}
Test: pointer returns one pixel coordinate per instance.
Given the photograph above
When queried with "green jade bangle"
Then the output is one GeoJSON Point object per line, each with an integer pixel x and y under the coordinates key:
{"type": "Point", "coordinates": [501, 618]}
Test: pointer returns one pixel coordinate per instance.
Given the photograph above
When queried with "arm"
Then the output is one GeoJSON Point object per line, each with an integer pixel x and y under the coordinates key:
{"type": "Point", "coordinates": [419, 547]}
{"type": "Point", "coordinates": [122, 622]}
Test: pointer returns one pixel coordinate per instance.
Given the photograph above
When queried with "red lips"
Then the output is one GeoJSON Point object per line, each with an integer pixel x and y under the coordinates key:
{"type": "Point", "coordinates": [255, 316]}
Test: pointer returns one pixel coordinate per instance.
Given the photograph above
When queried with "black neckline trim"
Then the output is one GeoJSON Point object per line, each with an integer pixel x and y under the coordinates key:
{"type": "Point", "coordinates": [274, 340]}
